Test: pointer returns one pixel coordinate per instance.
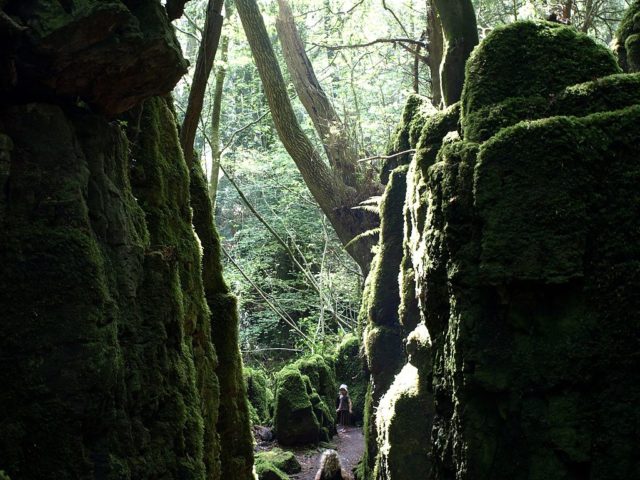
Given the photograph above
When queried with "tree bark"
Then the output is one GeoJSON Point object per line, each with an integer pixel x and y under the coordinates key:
{"type": "Point", "coordinates": [460, 32]}
{"type": "Point", "coordinates": [333, 133]}
{"type": "Point", "coordinates": [204, 64]}
{"type": "Point", "coordinates": [215, 123]}
{"type": "Point", "coordinates": [436, 50]}
{"type": "Point", "coordinates": [334, 196]}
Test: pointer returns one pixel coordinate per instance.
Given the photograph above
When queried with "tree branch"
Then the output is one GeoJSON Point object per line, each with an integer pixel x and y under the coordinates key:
{"type": "Point", "coordinates": [399, 40]}
{"type": "Point", "coordinates": [386, 157]}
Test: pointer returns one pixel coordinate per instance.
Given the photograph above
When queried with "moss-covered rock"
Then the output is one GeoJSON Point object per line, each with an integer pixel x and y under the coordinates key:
{"type": "Point", "coordinates": [350, 370]}
{"type": "Point", "coordinates": [512, 73]}
{"type": "Point", "coordinates": [403, 456]}
{"type": "Point", "coordinates": [627, 43]}
{"type": "Point", "coordinates": [281, 459]}
{"type": "Point", "coordinates": [304, 398]}
{"type": "Point", "coordinates": [111, 54]}
{"type": "Point", "coordinates": [416, 111]}
{"type": "Point", "coordinates": [266, 470]}
{"type": "Point", "coordinates": [259, 394]}
{"type": "Point", "coordinates": [114, 291]}
{"type": "Point", "coordinates": [294, 419]}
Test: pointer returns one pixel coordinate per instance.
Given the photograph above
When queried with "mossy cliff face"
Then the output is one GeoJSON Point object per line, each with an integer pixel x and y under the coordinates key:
{"type": "Point", "coordinates": [520, 274]}
{"type": "Point", "coordinates": [108, 360]}
{"type": "Point", "coordinates": [112, 53]}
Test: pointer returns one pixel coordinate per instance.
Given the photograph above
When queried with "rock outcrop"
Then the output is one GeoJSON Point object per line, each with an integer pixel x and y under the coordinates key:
{"type": "Point", "coordinates": [518, 302]}
{"type": "Point", "coordinates": [118, 329]}
{"type": "Point", "coordinates": [304, 410]}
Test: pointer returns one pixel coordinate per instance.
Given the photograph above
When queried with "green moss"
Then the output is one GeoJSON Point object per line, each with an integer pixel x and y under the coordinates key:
{"type": "Point", "coordinates": [116, 310]}
{"type": "Point", "coordinates": [233, 424]}
{"type": "Point", "coordinates": [259, 394]}
{"type": "Point", "coordinates": [627, 43]}
{"type": "Point", "coordinates": [511, 72]}
{"type": "Point", "coordinates": [350, 370]}
{"type": "Point", "coordinates": [305, 395]}
{"type": "Point", "coordinates": [416, 112]}
{"type": "Point", "coordinates": [608, 93]}
{"type": "Point", "coordinates": [294, 419]}
{"type": "Point", "coordinates": [405, 407]}
{"type": "Point", "coordinates": [283, 460]}
{"type": "Point", "coordinates": [267, 470]}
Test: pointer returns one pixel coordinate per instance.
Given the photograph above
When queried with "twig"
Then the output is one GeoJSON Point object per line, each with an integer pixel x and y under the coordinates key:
{"type": "Point", "coordinates": [240, 130]}
{"type": "Point", "coordinates": [372, 42]}
{"type": "Point", "coordinates": [386, 157]}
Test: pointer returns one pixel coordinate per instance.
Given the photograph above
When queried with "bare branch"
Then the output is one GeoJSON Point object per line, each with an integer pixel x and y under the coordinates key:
{"type": "Point", "coordinates": [386, 157]}
{"type": "Point", "coordinates": [373, 42]}
{"type": "Point", "coordinates": [242, 129]}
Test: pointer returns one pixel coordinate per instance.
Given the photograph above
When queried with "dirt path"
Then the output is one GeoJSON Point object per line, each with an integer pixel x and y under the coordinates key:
{"type": "Point", "coordinates": [349, 444]}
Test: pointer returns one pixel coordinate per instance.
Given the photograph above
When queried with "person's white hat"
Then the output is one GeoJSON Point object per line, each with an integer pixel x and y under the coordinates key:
{"type": "Point", "coordinates": [343, 387]}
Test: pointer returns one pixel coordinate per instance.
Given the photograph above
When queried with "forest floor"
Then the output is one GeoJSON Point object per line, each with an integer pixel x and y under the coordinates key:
{"type": "Point", "coordinates": [349, 445]}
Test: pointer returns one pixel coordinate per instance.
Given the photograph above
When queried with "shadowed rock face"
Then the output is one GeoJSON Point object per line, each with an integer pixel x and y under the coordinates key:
{"type": "Point", "coordinates": [110, 303]}
{"type": "Point", "coordinates": [520, 272]}
{"type": "Point", "coordinates": [110, 54]}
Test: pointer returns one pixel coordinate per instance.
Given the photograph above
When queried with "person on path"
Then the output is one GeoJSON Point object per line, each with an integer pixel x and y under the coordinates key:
{"type": "Point", "coordinates": [344, 407]}
{"type": "Point", "coordinates": [330, 467]}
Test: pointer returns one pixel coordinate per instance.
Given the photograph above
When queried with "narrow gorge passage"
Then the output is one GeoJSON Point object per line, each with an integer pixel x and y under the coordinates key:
{"type": "Point", "coordinates": [229, 228]}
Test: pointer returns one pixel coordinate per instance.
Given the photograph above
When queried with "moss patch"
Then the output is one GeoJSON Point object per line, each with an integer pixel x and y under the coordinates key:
{"type": "Point", "coordinates": [283, 460]}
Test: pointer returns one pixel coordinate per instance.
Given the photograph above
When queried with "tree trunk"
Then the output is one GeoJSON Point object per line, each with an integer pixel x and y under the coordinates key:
{"type": "Point", "coordinates": [333, 133]}
{"type": "Point", "coordinates": [567, 8]}
{"type": "Point", "coordinates": [435, 49]}
{"type": "Point", "coordinates": [215, 123]}
{"type": "Point", "coordinates": [204, 63]}
{"type": "Point", "coordinates": [335, 198]}
{"type": "Point", "coordinates": [460, 36]}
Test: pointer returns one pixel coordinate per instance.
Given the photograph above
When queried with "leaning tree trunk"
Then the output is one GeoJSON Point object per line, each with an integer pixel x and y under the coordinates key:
{"type": "Point", "coordinates": [333, 133]}
{"type": "Point", "coordinates": [460, 31]}
{"type": "Point", "coordinates": [334, 196]}
{"type": "Point", "coordinates": [204, 64]}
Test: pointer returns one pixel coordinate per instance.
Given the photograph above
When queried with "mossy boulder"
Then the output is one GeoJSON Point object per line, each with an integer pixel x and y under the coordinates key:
{"type": "Point", "coordinates": [295, 421]}
{"type": "Point", "coordinates": [266, 470]}
{"type": "Point", "coordinates": [350, 370]}
{"type": "Point", "coordinates": [511, 75]}
{"type": "Point", "coordinates": [281, 459]}
{"type": "Point", "coordinates": [259, 394]}
{"type": "Point", "coordinates": [304, 398]}
{"type": "Point", "coordinates": [627, 43]}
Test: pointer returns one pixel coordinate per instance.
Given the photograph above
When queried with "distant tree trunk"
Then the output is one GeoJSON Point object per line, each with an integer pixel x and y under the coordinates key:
{"type": "Point", "coordinates": [460, 36]}
{"type": "Point", "coordinates": [333, 133]}
{"type": "Point", "coordinates": [215, 123]}
{"type": "Point", "coordinates": [567, 8]}
{"type": "Point", "coordinates": [335, 197]}
{"type": "Point", "coordinates": [204, 63]}
{"type": "Point", "coordinates": [416, 71]}
{"type": "Point", "coordinates": [590, 11]}
{"type": "Point", "coordinates": [436, 50]}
